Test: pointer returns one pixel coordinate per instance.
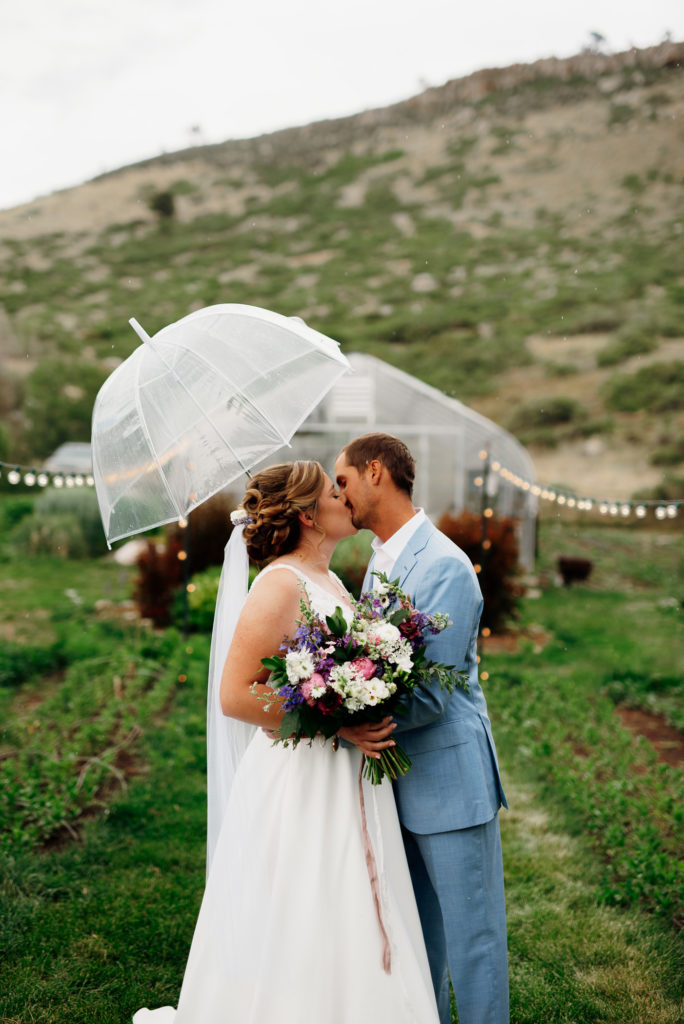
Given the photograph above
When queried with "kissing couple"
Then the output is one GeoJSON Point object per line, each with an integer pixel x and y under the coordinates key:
{"type": "Point", "coordinates": [330, 900]}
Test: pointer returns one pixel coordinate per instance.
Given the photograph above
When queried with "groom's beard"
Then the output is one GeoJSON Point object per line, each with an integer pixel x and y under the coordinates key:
{"type": "Point", "coordinates": [357, 522]}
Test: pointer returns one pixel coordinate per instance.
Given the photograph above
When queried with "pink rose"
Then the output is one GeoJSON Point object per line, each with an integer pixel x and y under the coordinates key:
{"type": "Point", "coordinates": [315, 681]}
{"type": "Point", "coordinates": [364, 666]}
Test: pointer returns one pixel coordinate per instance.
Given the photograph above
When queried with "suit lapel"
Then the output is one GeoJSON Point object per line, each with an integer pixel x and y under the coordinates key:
{"type": "Point", "coordinates": [368, 579]}
{"type": "Point", "coordinates": [408, 559]}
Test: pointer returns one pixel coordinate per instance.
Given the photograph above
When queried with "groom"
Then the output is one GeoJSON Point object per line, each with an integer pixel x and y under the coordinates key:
{"type": "Point", "coordinates": [448, 802]}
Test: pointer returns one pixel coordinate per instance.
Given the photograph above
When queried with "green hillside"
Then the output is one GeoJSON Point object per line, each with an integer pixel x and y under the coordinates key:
{"type": "Point", "coordinates": [513, 238]}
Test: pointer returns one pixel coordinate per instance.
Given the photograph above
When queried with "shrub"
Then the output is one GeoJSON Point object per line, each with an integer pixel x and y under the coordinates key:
{"type": "Point", "coordinates": [670, 488]}
{"type": "Point", "coordinates": [80, 502]}
{"type": "Point", "coordinates": [163, 204]}
{"type": "Point", "coordinates": [63, 523]}
{"type": "Point", "coordinates": [631, 340]}
{"type": "Point", "coordinates": [13, 510]}
{"type": "Point", "coordinates": [497, 557]}
{"type": "Point", "coordinates": [669, 454]}
{"type": "Point", "coordinates": [656, 388]}
{"type": "Point", "coordinates": [195, 610]}
{"type": "Point", "coordinates": [19, 662]}
{"type": "Point", "coordinates": [537, 422]}
{"type": "Point", "coordinates": [160, 573]}
{"type": "Point", "coordinates": [59, 403]}
{"type": "Point", "coordinates": [59, 534]}
{"type": "Point", "coordinates": [207, 532]}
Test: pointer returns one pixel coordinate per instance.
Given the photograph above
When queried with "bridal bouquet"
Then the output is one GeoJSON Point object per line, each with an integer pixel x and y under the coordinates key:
{"type": "Point", "coordinates": [335, 673]}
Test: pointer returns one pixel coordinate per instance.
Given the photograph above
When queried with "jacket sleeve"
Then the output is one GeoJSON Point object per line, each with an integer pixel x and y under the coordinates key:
{"type": "Point", "coordinates": [448, 586]}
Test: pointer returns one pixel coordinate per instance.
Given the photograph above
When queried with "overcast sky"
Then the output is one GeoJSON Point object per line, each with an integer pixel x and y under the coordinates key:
{"type": "Point", "coordinates": [88, 86]}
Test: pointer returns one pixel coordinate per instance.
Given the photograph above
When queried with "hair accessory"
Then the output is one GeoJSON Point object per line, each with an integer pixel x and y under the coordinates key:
{"type": "Point", "coordinates": [239, 517]}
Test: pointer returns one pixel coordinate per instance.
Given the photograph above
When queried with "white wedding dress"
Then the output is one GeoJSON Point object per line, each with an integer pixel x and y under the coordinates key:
{"type": "Point", "coordinates": [288, 931]}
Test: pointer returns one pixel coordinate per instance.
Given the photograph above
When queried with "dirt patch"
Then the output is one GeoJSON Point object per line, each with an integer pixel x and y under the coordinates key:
{"type": "Point", "coordinates": [667, 741]}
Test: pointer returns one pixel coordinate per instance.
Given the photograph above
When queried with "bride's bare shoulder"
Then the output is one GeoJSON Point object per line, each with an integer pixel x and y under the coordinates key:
{"type": "Point", "coordinates": [272, 582]}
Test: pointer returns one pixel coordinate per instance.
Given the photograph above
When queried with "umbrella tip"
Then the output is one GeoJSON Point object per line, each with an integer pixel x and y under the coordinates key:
{"type": "Point", "coordinates": [142, 334]}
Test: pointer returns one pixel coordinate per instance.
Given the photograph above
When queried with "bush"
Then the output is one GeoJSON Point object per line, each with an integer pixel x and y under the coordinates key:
{"type": "Point", "coordinates": [207, 532]}
{"type": "Point", "coordinates": [669, 454]}
{"type": "Point", "coordinates": [537, 422]}
{"type": "Point", "coordinates": [59, 534]}
{"type": "Point", "coordinates": [631, 340]}
{"type": "Point", "coordinates": [80, 502]}
{"type": "Point", "coordinates": [656, 388]}
{"type": "Point", "coordinates": [160, 574]}
{"type": "Point", "coordinates": [63, 523]}
{"type": "Point", "coordinates": [196, 610]}
{"type": "Point", "coordinates": [59, 403]}
{"type": "Point", "coordinates": [19, 662]}
{"type": "Point", "coordinates": [13, 510]}
{"type": "Point", "coordinates": [498, 559]}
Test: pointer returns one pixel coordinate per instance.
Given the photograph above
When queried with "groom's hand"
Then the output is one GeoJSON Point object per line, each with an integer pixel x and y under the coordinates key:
{"type": "Point", "coordinates": [370, 737]}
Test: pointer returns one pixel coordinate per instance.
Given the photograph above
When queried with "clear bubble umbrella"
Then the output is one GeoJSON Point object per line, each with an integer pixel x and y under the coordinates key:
{"type": "Point", "coordinates": [199, 404]}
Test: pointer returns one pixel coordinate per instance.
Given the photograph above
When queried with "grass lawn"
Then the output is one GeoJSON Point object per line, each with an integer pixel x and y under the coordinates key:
{"type": "Point", "coordinates": [98, 923]}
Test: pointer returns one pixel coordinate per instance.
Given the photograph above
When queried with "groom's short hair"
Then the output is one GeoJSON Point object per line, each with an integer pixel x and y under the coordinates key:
{"type": "Point", "coordinates": [387, 449]}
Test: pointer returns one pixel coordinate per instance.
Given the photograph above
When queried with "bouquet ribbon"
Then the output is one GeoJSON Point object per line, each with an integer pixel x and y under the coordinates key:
{"type": "Point", "coordinates": [373, 876]}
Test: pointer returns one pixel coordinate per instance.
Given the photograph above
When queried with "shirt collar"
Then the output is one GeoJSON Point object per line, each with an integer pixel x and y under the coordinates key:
{"type": "Point", "coordinates": [394, 545]}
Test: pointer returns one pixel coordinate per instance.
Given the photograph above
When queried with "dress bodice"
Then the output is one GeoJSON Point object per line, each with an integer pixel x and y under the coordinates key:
{"type": "Point", "coordinates": [321, 600]}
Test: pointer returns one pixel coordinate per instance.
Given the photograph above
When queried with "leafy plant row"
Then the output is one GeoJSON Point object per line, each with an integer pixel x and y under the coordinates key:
{"type": "Point", "coordinates": [62, 753]}
{"type": "Point", "coordinates": [563, 727]}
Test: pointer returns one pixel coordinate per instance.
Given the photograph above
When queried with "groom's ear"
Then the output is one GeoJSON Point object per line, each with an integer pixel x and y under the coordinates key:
{"type": "Point", "coordinates": [375, 471]}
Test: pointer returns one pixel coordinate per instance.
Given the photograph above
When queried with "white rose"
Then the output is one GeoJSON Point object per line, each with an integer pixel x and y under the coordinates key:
{"type": "Point", "coordinates": [384, 634]}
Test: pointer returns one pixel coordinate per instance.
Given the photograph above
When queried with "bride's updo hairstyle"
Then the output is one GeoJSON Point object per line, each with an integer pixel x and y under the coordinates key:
{"type": "Point", "coordinates": [274, 500]}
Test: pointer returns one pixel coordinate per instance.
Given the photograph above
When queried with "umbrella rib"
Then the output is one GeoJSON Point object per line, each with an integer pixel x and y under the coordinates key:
{"type": "Point", "coordinates": [243, 397]}
{"type": "Point", "coordinates": [143, 424]}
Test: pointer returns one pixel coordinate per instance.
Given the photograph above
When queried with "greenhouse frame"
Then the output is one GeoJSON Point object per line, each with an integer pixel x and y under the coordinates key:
{"type": "Point", "coordinates": [458, 452]}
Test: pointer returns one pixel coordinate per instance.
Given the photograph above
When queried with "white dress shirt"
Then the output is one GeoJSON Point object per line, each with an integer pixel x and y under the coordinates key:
{"type": "Point", "coordinates": [387, 552]}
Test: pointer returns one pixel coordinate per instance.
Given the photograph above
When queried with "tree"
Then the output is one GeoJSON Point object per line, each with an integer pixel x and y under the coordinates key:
{"type": "Point", "coordinates": [59, 404]}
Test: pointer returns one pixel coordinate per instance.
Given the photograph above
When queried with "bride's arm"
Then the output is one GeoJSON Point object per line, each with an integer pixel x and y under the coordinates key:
{"type": "Point", "coordinates": [269, 615]}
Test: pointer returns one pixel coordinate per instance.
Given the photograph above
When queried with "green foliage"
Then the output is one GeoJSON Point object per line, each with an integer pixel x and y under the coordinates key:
{"type": "Point", "coordinates": [670, 488]}
{"type": "Point", "coordinates": [19, 662]}
{"type": "Point", "coordinates": [350, 559]}
{"type": "Point", "coordinates": [492, 545]}
{"type": "Point", "coordinates": [4, 442]}
{"type": "Point", "coordinates": [58, 534]}
{"type": "Point", "coordinates": [163, 204]}
{"type": "Point", "coordinates": [630, 340]}
{"type": "Point", "coordinates": [656, 388]}
{"type": "Point", "coordinates": [194, 610]}
{"type": "Point", "coordinates": [128, 890]}
{"type": "Point", "coordinates": [611, 786]}
{"type": "Point", "coordinates": [64, 522]}
{"type": "Point", "coordinates": [59, 403]}
{"type": "Point", "coordinates": [670, 453]}
{"type": "Point", "coordinates": [60, 758]}
{"type": "Point", "coordinates": [14, 508]}
{"type": "Point", "coordinates": [545, 420]}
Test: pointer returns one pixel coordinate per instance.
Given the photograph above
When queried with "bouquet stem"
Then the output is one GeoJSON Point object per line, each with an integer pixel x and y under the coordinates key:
{"type": "Point", "coordinates": [392, 762]}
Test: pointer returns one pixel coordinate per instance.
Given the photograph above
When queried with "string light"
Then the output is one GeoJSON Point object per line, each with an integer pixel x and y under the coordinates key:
{"type": "Point", "coordinates": [31, 477]}
{"type": "Point", "coordinates": [662, 509]}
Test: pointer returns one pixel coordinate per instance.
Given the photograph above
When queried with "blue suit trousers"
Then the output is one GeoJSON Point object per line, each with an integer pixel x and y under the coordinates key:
{"type": "Point", "coordinates": [462, 870]}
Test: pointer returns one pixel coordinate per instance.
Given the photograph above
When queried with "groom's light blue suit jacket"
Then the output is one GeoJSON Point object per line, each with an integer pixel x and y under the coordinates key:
{"type": "Point", "coordinates": [454, 782]}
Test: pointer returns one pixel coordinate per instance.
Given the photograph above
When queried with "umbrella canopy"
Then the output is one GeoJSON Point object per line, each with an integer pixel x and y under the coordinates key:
{"type": "Point", "coordinates": [199, 404]}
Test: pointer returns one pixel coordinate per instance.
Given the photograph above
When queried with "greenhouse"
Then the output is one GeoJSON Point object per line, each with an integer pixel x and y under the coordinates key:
{"type": "Point", "coordinates": [459, 453]}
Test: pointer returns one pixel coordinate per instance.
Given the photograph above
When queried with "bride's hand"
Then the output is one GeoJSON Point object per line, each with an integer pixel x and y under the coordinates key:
{"type": "Point", "coordinates": [370, 737]}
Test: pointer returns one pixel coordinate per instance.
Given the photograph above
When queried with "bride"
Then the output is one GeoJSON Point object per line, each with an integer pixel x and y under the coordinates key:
{"type": "Point", "coordinates": [308, 914]}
